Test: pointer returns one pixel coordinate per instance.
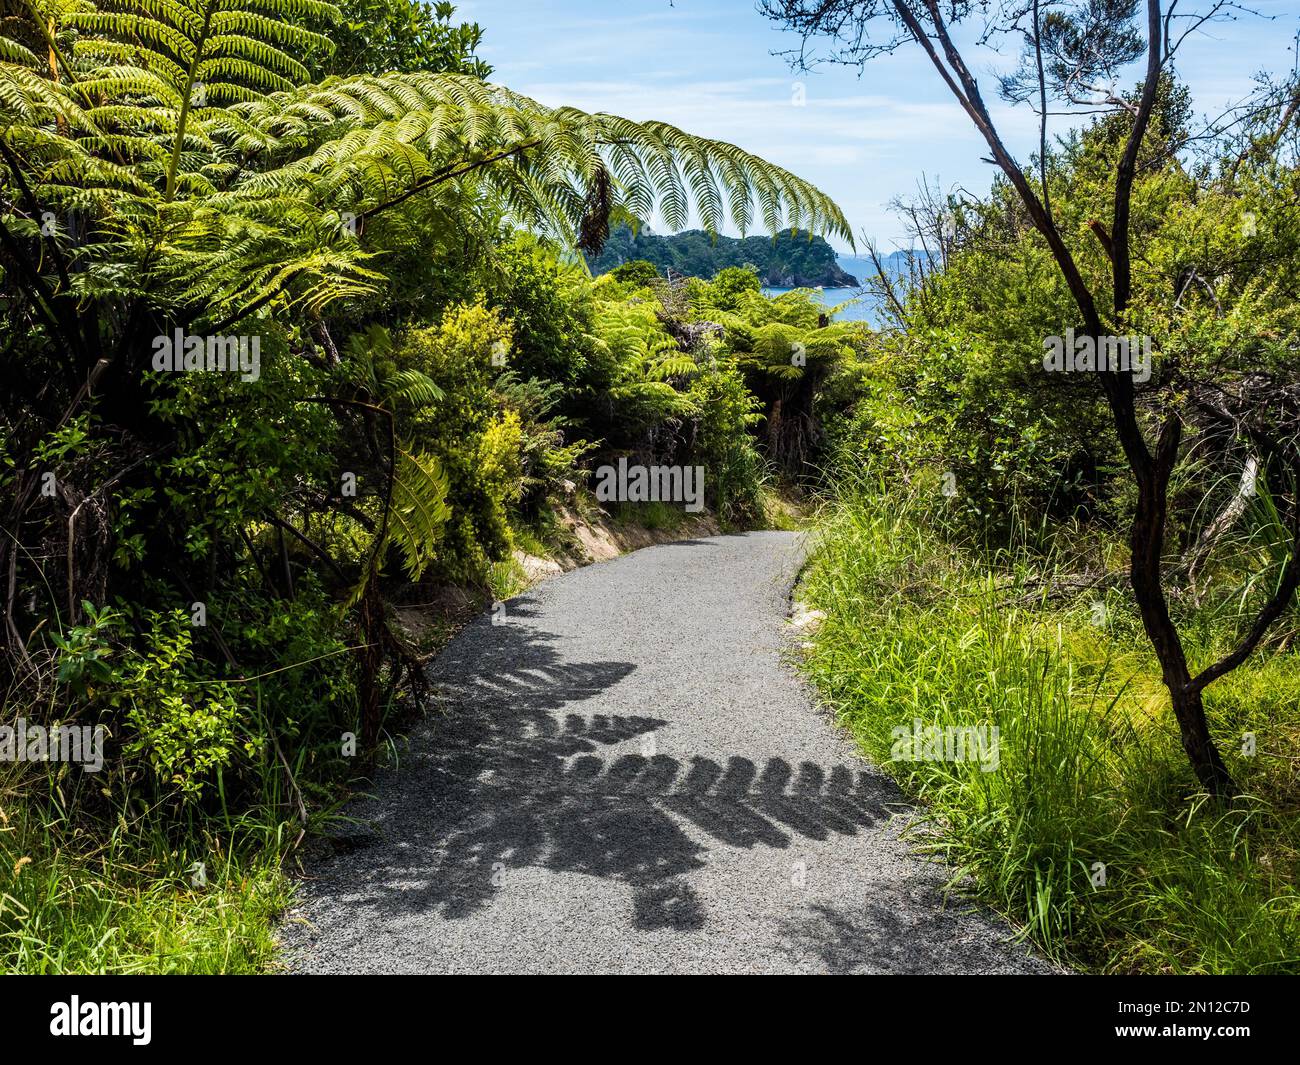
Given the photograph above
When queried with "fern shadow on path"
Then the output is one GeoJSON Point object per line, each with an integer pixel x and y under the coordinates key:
{"type": "Point", "coordinates": [626, 776]}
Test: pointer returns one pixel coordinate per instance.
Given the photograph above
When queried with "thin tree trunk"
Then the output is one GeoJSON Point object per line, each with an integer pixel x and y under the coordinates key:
{"type": "Point", "coordinates": [1147, 542]}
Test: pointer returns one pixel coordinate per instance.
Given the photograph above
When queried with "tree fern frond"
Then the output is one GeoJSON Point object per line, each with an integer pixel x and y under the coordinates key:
{"type": "Point", "coordinates": [419, 509]}
{"type": "Point", "coordinates": [16, 52]}
{"type": "Point", "coordinates": [413, 387]}
{"type": "Point", "coordinates": [654, 165]}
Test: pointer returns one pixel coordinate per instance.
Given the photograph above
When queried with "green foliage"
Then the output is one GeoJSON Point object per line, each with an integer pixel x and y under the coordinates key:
{"type": "Point", "coordinates": [638, 273]}
{"type": "Point", "coordinates": [182, 727]}
{"type": "Point", "coordinates": [732, 284]}
{"type": "Point", "coordinates": [378, 36]}
{"type": "Point", "coordinates": [788, 349]}
{"type": "Point", "coordinates": [85, 650]}
{"type": "Point", "coordinates": [546, 303]}
{"type": "Point", "coordinates": [419, 509]}
{"type": "Point", "coordinates": [473, 441]}
{"type": "Point", "coordinates": [960, 387]}
{"type": "Point", "coordinates": [193, 178]}
{"type": "Point", "coordinates": [129, 905]}
{"type": "Point", "coordinates": [644, 360]}
{"type": "Point", "coordinates": [737, 473]}
{"type": "Point", "coordinates": [951, 401]}
{"type": "Point", "coordinates": [976, 575]}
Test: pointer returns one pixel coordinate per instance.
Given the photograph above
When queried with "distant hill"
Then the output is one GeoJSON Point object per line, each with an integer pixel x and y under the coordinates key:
{"type": "Point", "coordinates": [860, 268]}
{"type": "Point", "coordinates": [786, 262]}
{"type": "Point", "coordinates": [895, 264]}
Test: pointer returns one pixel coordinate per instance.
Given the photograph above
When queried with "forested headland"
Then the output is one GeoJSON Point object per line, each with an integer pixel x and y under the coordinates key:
{"type": "Point", "coordinates": [786, 260]}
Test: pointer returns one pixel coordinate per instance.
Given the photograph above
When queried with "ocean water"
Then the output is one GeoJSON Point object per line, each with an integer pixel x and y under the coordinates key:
{"type": "Point", "coordinates": [862, 310]}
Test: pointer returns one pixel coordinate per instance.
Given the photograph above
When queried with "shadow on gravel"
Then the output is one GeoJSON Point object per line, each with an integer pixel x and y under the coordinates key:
{"type": "Point", "coordinates": [508, 779]}
{"type": "Point", "coordinates": [905, 928]}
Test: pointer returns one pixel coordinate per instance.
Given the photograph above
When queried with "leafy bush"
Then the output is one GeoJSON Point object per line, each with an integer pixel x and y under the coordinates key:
{"type": "Point", "coordinates": [474, 441]}
{"type": "Point", "coordinates": [735, 472]}
{"type": "Point", "coordinates": [182, 726]}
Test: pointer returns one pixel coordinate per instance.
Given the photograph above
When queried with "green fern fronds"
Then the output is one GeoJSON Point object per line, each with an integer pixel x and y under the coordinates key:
{"type": "Point", "coordinates": [419, 509]}
{"type": "Point", "coordinates": [412, 387]}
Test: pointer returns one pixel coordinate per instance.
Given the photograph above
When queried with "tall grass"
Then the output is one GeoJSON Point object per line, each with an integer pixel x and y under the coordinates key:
{"type": "Point", "coordinates": [95, 880]}
{"type": "Point", "coordinates": [1090, 833]}
{"type": "Point", "coordinates": [131, 900]}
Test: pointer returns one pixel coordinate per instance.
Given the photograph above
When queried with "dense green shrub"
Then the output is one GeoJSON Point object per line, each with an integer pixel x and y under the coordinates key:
{"type": "Point", "coordinates": [736, 473]}
{"type": "Point", "coordinates": [474, 441]}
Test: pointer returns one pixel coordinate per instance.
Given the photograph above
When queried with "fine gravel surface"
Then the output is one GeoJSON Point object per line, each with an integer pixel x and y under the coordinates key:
{"type": "Point", "coordinates": [626, 776]}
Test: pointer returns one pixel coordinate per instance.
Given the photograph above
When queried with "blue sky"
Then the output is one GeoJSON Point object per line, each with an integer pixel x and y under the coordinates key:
{"type": "Point", "coordinates": [706, 66]}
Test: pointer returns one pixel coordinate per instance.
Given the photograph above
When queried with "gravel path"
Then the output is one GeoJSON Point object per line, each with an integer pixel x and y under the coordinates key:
{"type": "Point", "coordinates": [629, 778]}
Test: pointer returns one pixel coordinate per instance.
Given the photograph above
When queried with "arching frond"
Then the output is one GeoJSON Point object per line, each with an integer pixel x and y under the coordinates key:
{"type": "Point", "coordinates": [186, 118]}
{"type": "Point", "coordinates": [540, 160]}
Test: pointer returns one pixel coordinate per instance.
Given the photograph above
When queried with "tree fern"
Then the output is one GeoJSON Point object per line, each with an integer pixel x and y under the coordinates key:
{"type": "Point", "coordinates": [190, 55]}
{"type": "Point", "coordinates": [192, 103]}
{"type": "Point", "coordinates": [402, 132]}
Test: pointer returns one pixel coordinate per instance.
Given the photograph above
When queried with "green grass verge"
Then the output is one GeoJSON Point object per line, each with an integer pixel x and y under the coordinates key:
{"type": "Point", "coordinates": [128, 902]}
{"type": "Point", "coordinates": [1090, 777]}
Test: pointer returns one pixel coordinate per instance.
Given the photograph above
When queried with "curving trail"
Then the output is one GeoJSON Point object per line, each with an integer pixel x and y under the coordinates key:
{"type": "Point", "coordinates": [629, 778]}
